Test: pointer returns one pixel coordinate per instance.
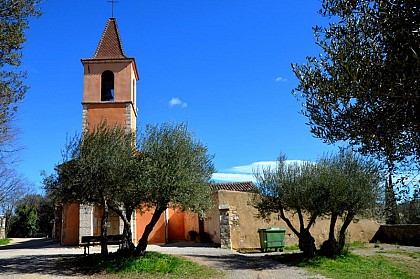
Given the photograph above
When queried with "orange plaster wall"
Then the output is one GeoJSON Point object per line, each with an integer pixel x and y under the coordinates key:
{"type": "Point", "coordinates": [158, 233]}
{"type": "Point", "coordinates": [70, 225]}
{"type": "Point", "coordinates": [112, 112]}
{"type": "Point", "coordinates": [176, 230]}
{"type": "Point", "coordinates": [190, 223]}
{"type": "Point", "coordinates": [123, 80]}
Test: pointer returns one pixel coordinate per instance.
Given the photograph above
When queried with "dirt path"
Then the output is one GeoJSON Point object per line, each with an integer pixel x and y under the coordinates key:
{"type": "Point", "coordinates": [40, 258]}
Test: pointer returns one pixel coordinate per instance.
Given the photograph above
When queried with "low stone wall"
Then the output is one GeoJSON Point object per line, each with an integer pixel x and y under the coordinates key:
{"type": "Point", "coordinates": [398, 234]}
{"type": "Point", "coordinates": [233, 223]}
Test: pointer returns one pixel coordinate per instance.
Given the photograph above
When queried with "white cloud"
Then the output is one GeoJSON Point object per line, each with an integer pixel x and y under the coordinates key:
{"type": "Point", "coordinates": [246, 172]}
{"type": "Point", "coordinates": [281, 79]}
{"type": "Point", "coordinates": [254, 167]}
{"type": "Point", "coordinates": [177, 102]}
{"type": "Point", "coordinates": [232, 177]}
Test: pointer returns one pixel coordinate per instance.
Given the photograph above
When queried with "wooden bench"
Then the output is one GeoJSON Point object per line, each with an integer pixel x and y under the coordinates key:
{"type": "Point", "coordinates": [91, 240]}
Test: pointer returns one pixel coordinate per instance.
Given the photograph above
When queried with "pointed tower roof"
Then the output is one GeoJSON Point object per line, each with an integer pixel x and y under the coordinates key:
{"type": "Point", "coordinates": [110, 46]}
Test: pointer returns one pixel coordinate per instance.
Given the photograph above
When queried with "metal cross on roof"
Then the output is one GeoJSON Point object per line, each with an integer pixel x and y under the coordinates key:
{"type": "Point", "coordinates": [112, 4]}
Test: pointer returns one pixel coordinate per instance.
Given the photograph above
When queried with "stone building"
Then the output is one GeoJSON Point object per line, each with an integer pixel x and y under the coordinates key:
{"type": "Point", "coordinates": [232, 222]}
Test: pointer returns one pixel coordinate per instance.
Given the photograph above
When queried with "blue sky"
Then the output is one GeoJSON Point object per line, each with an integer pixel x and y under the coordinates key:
{"type": "Point", "coordinates": [221, 66]}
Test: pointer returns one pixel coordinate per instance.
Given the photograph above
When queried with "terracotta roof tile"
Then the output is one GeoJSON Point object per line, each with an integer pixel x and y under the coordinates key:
{"type": "Point", "coordinates": [110, 46]}
{"type": "Point", "coordinates": [234, 186]}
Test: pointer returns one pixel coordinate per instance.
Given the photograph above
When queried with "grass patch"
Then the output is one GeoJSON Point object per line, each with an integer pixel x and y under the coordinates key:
{"type": "Point", "coordinates": [151, 265]}
{"type": "Point", "coordinates": [353, 266]}
{"type": "Point", "coordinates": [4, 241]}
{"type": "Point", "coordinates": [291, 248]}
{"type": "Point", "coordinates": [355, 245]}
{"type": "Point", "coordinates": [411, 265]}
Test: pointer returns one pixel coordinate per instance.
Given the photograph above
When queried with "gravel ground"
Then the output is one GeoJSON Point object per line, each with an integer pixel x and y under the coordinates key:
{"type": "Point", "coordinates": [388, 250]}
{"type": "Point", "coordinates": [39, 258]}
{"type": "Point", "coordinates": [234, 265]}
{"type": "Point", "coordinates": [36, 258]}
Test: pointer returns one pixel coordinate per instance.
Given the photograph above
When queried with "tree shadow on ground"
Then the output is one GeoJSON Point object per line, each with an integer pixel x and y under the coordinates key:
{"type": "Point", "coordinates": [182, 244]}
{"type": "Point", "coordinates": [74, 265]}
{"type": "Point", "coordinates": [43, 262]}
{"type": "Point", "coordinates": [35, 243]}
{"type": "Point", "coordinates": [239, 261]}
{"type": "Point", "coordinates": [39, 264]}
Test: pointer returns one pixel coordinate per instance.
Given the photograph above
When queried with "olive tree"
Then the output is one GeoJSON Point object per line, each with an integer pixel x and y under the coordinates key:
{"type": "Point", "coordinates": [363, 88]}
{"type": "Point", "coordinates": [178, 173]}
{"type": "Point", "coordinates": [105, 167]}
{"type": "Point", "coordinates": [336, 186]}
{"type": "Point", "coordinates": [291, 187]}
{"type": "Point", "coordinates": [350, 186]}
{"type": "Point", "coordinates": [97, 167]}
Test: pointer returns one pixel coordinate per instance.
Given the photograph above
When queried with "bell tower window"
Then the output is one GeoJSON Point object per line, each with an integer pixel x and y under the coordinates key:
{"type": "Point", "coordinates": [107, 86]}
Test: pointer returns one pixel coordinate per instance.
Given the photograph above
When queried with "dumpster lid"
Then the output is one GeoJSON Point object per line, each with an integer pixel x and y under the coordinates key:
{"type": "Point", "coordinates": [276, 229]}
{"type": "Point", "coordinates": [271, 229]}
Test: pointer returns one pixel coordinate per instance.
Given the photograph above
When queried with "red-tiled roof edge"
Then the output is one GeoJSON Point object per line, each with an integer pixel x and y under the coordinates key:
{"type": "Point", "coordinates": [247, 186]}
{"type": "Point", "coordinates": [105, 45]}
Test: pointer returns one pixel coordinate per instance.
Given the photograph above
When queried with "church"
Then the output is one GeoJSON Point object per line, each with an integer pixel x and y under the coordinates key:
{"type": "Point", "coordinates": [109, 93]}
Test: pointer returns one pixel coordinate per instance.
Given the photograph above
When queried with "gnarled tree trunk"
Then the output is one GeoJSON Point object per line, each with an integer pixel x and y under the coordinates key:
{"type": "Point", "coordinates": [342, 235]}
{"type": "Point", "coordinates": [307, 243]}
{"type": "Point", "coordinates": [391, 210]}
{"type": "Point", "coordinates": [125, 215]}
{"type": "Point", "coordinates": [104, 230]}
{"type": "Point", "coordinates": [128, 234]}
{"type": "Point", "coordinates": [142, 245]}
{"type": "Point", "coordinates": [334, 247]}
{"type": "Point", "coordinates": [330, 247]}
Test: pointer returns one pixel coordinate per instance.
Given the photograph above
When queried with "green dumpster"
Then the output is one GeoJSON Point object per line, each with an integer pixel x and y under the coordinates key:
{"type": "Point", "coordinates": [271, 238]}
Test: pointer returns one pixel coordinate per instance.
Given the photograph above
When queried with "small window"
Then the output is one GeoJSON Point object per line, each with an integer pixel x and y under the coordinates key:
{"type": "Point", "coordinates": [107, 86]}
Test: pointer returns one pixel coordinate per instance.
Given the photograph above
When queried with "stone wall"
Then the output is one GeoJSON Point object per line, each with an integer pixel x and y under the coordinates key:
{"type": "Point", "coordinates": [85, 221]}
{"type": "Point", "coordinates": [233, 223]}
{"type": "Point", "coordinates": [399, 234]}
{"type": "Point", "coordinates": [225, 240]}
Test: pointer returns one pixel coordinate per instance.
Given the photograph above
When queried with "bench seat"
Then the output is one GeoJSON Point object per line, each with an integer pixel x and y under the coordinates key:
{"type": "Point", "coordinates": [92, 240]}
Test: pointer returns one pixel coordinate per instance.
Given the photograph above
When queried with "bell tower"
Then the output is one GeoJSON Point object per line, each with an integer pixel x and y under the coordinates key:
{"type": "Point", "coordinates": [109, 93]}
{"type": "Point", "coordinates": [110, 77]}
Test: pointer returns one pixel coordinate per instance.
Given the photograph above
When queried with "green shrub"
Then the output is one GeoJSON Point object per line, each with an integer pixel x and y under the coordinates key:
{"type": "Point", "coordinates": [4, 241]}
